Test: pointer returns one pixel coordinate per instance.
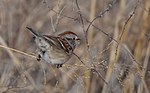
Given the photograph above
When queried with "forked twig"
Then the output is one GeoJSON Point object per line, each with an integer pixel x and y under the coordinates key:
{"type": "Point", "coordinates": [45, 3]}
{"type": "Point", "coordinates": [104, 32]}
{"type": "Point", "coordinates": [124, 27]}
{"type": "Point", "coordinates": [92, 69]}
{"type": "Point", "coordinates": [126, 22]}
{"type": "Point", "coordinates": [76, 19]}
{"type": "Point", "coordinates": [81, 18]}
{"type": "Point", "coordinates": [82, 23]}
{"type": "Point", "coordinates": [99, 16]}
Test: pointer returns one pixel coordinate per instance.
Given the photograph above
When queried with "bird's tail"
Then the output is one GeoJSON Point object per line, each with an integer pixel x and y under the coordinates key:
{"type": "Point", "coordinates": [35, 33]}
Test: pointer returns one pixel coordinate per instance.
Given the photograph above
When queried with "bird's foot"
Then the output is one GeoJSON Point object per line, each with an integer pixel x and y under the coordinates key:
{"type": "Point", "coordinates": [39, 58]}
{"type": "Point", "coordinates": [59, 65]}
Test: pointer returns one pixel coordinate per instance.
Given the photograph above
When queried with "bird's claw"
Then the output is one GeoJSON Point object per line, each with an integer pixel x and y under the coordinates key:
{"type": "Point", "coordinates": [39, 58]}
{"type": "Point", "coordinates": [59, 65]}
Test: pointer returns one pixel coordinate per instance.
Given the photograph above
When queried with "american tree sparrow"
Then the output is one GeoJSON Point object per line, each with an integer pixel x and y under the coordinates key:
{"type": "Point", "coordinates": [55, 49]}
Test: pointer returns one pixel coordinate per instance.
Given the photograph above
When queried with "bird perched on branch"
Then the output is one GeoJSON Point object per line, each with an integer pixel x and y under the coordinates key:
{"type": "Point", "coordinates": [55, 49]}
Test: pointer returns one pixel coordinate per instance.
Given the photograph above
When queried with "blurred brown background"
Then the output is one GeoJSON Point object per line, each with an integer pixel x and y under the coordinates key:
{"type": "Point", "coordinates": [119, 46]}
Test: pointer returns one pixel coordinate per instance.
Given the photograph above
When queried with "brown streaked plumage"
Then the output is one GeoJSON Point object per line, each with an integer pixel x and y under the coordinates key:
{"type": "Point", "coordinates": [55, 49]}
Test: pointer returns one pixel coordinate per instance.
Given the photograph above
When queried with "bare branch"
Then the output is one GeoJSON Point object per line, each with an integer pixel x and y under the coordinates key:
{"type": "Point", "coordinates": [92, 69]}
{"type": "Point", "coordinates": [100, 15]}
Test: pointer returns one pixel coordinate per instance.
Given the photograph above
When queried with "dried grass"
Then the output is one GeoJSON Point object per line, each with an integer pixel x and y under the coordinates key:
{"type": "Point", "coordinates": [113, 57]}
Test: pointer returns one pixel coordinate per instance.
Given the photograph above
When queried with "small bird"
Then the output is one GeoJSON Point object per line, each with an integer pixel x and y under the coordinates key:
{"type": "Point", "coordinates": [55, 50]}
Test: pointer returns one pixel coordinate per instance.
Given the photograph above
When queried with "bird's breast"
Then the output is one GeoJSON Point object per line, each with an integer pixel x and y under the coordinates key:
{"type": "Point", "coordinates": [55, 56]}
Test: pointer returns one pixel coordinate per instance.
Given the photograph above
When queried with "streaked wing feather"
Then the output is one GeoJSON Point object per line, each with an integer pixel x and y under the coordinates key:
{"type": "Point", "coordinates": [61, 43]}
{"type": "Point", "coordinates": [51, 39]}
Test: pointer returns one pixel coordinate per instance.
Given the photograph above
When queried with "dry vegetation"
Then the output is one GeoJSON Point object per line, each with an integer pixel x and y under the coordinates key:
{"type": "Point", "coordinates": [113, 57]}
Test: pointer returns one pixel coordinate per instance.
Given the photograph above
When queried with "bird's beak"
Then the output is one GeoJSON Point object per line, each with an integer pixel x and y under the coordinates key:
{"type": "Point", "coordinates": [77, 41]}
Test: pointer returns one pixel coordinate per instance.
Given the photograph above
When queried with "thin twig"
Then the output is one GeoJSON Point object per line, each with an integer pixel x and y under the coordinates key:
{"type": "Point", "coordinates": [18, 51]}
{"type": "Point", "coordinates": [58, 17]}
{"type": "Point", "coordinates": [44, 74]}
{"type": "Point", "coordinates": [126, 22]}
{"type": "Point", "coordinates": [45, 3]}
{"type": "Point", "coordinates": [142, 6]}
{"type": "Point", "coordinates": [100, 15]}
{"type": "Point", "coordinates": [76, 19]}
{"type": "Point", "coordinates": [79, 12]}
{"type": "Point", "coordinates": [104, 32]}
{"type": "Point", "coordinates": [82, 23]}
{"type": "Point", "coordinates": [53, 27]}
{"type": "Point", "coordinates": [124, 27]}
{"type": "Point", "coordinates": [92, 69]}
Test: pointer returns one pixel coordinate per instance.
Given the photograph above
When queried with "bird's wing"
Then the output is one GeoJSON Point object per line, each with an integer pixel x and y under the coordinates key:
{"type": "Point", "coordinates": [60, 43]}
